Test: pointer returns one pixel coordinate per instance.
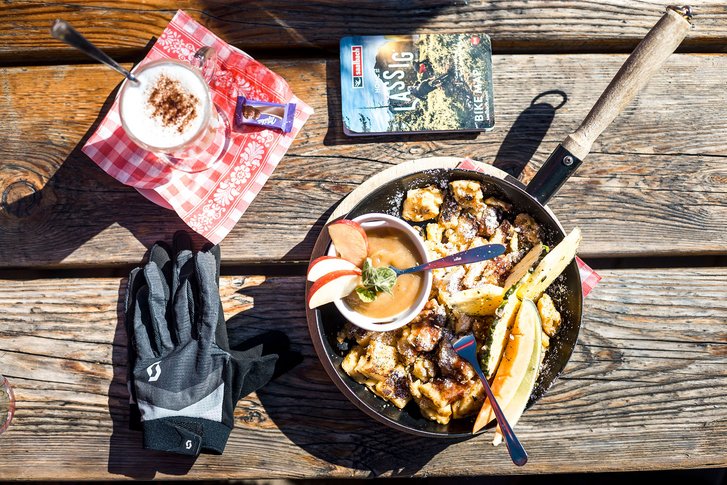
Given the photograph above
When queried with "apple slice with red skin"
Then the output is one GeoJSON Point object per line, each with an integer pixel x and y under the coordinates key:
{"type": "Point", "coordinates": [333, 286]}
{"type": "Point", "coordinates": [350, 240]}
{"type": "Point", "coordinates": [327, 264]}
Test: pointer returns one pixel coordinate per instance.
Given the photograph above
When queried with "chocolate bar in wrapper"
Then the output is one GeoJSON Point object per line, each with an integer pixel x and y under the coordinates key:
{"type": "Point", "coordinates": [263, 113]}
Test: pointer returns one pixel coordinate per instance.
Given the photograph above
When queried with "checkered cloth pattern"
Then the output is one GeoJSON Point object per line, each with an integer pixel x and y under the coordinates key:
{"type": "Point", "coordinates": [589, 278]}
{"type": "Point", "coordinates": [209, 202]}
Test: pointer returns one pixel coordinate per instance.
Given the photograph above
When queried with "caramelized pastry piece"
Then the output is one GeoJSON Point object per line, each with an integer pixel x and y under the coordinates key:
{"type": "Point", "coordinates": [395, 388]}
{"type": "Point", "coordinates": [495, 202]}
{"type": "Point", "coordinates": [488, 219]}
{"type": "Point", "coordinates": [450, 364]}
{"type": "Point", "coordinates": [530, 231]}
{"type": "Point", "coordinates": [449, 214]}
{"type": "Point", "coordinates": [352, 332]}
{"type": "Point", "coordinates": [467, 193]}
{"type": "Point", "coordinates": [549, 316]}
{"type": "Point", "coordinates": [378, 362]}
{"type": "Point", "coordinates": [471, 402]}
{"type": "Point", "coordinates": [422, 204]}
{"type": "Point", "coordinates": [430, 403]}
{"type": "Point", "coordinates": [424, 369]}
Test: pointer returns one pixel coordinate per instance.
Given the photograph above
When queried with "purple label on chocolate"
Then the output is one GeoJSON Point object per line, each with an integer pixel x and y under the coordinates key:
{"type": "Point", "coordinates": [262, 113]}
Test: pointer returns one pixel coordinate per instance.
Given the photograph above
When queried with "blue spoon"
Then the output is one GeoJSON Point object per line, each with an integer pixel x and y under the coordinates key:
{"type": "Point", "coordinates": [474, 255]}
{"type": "Point", "coordinates": [466, 347]}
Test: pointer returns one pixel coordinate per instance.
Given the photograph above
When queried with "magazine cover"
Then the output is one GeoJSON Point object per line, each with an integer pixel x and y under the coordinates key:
{"type": "Point", "coordinates": [416, 83]}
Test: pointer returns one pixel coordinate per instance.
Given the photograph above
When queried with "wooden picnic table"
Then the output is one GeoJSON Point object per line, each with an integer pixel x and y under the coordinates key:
{"type": "Point", "coordinates": [646, 386]}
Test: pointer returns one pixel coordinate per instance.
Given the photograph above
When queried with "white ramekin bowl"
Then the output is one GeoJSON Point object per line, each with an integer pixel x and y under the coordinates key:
{"type": "Point", "coordinates": [371, 221]}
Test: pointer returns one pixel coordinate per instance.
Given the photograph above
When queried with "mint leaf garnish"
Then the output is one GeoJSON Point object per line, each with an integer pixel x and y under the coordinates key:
{"type": "Point", "coordinates": [376, 280]}
{"type": "Point", "coordinates": [384, 279]}
{"type": "Point", "coordinates": [366, 295]}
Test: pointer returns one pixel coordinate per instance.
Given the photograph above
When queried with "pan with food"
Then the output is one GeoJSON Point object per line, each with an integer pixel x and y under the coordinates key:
{"type": "Point", "coordinates": [411, 379]}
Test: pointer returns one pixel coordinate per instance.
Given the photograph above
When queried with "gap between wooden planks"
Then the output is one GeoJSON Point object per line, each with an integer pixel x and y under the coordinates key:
{"type": "Point", "coordinates": [645, 388]}
{"type": "Point", "coordinates": [289, 27]}
{"type": "Point", "coordinates": [653, 186]}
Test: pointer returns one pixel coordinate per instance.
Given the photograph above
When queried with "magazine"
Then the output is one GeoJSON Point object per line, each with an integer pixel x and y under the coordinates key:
{"type": "Point", "coordinates": [416, 84]}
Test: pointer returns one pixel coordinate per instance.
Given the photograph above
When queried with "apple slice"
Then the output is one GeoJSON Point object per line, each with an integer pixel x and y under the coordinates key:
{"type": "Point", "coordinates": [350, 240]}
{"type": "Point", "coordinates": [333, 286]}
{"type": "Point", "coordinates": [328, 264]}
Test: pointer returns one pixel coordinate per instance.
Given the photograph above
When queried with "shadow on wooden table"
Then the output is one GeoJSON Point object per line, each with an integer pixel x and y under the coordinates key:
{"type": "Point", "coordinates": [305, 405]}
{"type": "Point", "coordinates": [333, 430]}
{"type": "Point", "coordinates": [527, 133]}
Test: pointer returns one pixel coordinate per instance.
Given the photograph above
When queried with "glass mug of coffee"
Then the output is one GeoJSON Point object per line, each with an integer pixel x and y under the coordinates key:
{"type": "Point", "coordinates": [170, 112]}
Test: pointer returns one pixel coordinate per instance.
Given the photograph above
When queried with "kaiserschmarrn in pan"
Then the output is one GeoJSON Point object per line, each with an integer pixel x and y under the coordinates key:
{"type": "Point", "coordinates": [416, 363]}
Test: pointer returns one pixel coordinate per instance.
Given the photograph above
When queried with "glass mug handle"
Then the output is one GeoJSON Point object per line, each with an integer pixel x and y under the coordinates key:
{"type": "Point", "coordinates": [205, 59]}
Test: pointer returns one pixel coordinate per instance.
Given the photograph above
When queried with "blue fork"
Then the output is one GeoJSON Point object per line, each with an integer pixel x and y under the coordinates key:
{"type": "Point", "coordinates": [466, 347]}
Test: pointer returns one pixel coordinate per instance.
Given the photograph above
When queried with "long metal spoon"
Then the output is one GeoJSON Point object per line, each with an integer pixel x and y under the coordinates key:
{"type": "Point", "coordinates": [63, 31]}
{"type": "Point", "coordinates": [466, 347]}
{"type": "Point", "coordinates": [474, 255]}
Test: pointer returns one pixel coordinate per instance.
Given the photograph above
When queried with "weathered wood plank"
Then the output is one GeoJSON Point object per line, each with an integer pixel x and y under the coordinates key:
{"type": "Point", "coordinates": [645, 386]}
{"type": "Point", "coordinates": [533, 26]}
{"type": "Point", "coordinates": [655, 183]}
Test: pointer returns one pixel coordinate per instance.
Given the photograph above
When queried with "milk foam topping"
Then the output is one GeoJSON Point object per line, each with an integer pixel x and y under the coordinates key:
{"type": "Point", "coordinates": [167, 108]}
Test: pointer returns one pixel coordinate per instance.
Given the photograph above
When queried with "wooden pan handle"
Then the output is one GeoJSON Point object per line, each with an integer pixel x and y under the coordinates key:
{"type": "Point", "coordinates": [644, 61]}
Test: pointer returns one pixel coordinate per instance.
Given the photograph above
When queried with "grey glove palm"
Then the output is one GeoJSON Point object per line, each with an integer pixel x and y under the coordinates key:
{"type": "Point", "coordinates": [186, 380]}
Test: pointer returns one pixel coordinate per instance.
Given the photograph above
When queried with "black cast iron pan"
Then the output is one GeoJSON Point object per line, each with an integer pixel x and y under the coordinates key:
{"type": "Point", "coordinates": [325, 322]}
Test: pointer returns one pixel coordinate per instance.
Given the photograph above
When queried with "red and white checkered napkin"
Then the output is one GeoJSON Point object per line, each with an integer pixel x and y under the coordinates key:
{"type": "Point", "coordinates": [212, 201]}
{"type": "Point", "coordinates": [589, 278]}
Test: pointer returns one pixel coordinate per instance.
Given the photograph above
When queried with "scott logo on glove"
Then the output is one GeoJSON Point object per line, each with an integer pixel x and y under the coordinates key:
{"type": "Point", "coordinates": [154, 371]}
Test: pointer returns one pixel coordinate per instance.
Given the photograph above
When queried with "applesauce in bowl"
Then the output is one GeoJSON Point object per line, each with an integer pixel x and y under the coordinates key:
{"type": "Point", "coordinates": [390, 246]}
{"type": "Point", "coordinates": [391, 242]}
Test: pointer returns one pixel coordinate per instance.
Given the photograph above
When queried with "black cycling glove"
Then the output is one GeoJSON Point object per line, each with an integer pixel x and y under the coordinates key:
{"type": "Point", "coordinates": [186, 380]}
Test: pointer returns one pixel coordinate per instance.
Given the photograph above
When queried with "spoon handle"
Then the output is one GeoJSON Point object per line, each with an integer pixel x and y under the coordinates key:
{"type": "Point", "coordinates": [63, 31]}
{"type": "Point", "coordinates": [474, 255]}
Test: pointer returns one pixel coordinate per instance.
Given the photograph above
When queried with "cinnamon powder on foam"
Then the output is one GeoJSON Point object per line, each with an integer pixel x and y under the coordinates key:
{"type": "Point", "coordinates": [173, 105]}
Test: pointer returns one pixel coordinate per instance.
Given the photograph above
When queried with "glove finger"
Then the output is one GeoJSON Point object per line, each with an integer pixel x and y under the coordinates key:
{"type": "Point", "coordinates": [140, 338]}
{"type": "Point", "coordinates": [135, 281]}
{"type": "Point", "coordinates": [158, 300]}
{"type": "Point", "coordinates": [183, 299]}
{"type": "Point", "coordinates": [161, 255]}
{"type": "Point", "coordinates": [182, 247]}
{"type": "Point", "coordinates": [132, 286]}
{"type": "Point", "coordinates": [209, 297]}
{"type": "Point", "coordinates": [184, 311]}
{"type": "Point", "coordinates": [221, 330]}
{"type": "Point", "coordinates": [286, 361]}
{"type": "Point", "coordinates": [182, 268]}
{"type": "Point", "coordinates": [214, 251]}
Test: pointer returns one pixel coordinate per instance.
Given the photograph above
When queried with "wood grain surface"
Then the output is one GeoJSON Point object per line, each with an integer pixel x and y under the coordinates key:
{"type": "Point", "coordinates": [646, 384]}
{"type": "Point", "coordinates": [125, 28]}
{"type": "Point", "coordinates": [654, 184]}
